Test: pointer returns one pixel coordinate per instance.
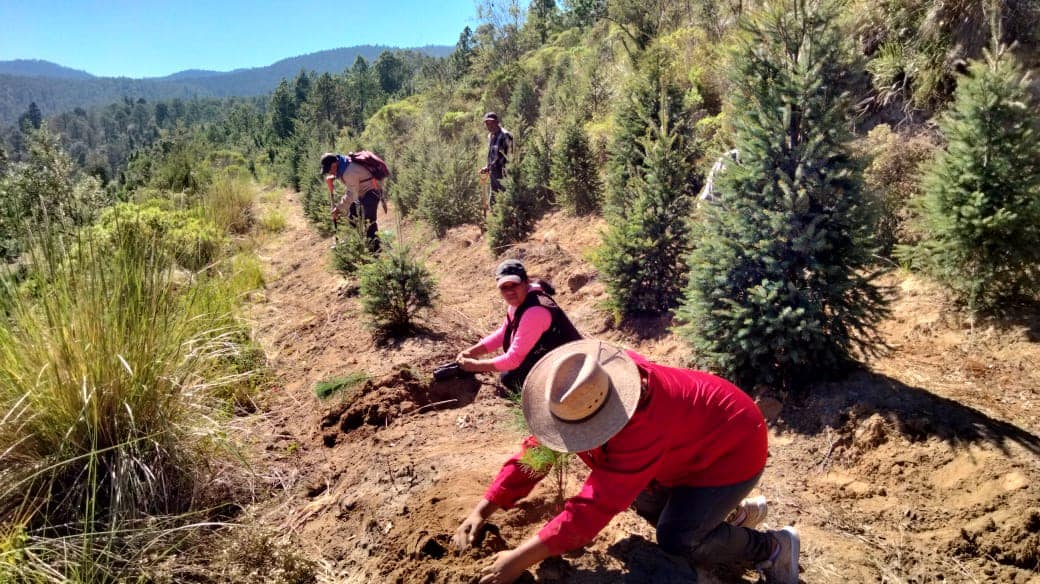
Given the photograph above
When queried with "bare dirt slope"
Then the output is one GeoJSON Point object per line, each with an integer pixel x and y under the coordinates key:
{"type": "Point", "coordinates": [923, 468]}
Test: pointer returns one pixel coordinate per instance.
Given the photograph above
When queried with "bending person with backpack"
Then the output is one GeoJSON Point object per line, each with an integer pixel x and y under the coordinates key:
{"type": "Point", "coordinates": [360, 173]}
{"type": "Point", "coordinates": [534, 325]}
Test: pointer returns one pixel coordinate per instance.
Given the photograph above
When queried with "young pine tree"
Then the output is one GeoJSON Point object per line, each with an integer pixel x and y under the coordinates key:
{"type": "Point", "coordinates": [574, 177]}
{"type": "Point", "coordinates": [515, 211]}
{"type": "Point", "coordinates": [638, 111]}
{"type": "Point", "coordinates": [780, 287]}
{"type": "Point", "coordinates": [644, 248]}
{"type": "Point", "coordinates": [394, 287]}
{"type": "Point", "coordinates": [982, 195]}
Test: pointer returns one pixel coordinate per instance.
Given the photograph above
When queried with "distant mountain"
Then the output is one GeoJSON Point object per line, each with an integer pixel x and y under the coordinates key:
{"type": "Point", "coordinates": [57, 89]}
{"type": "Point", "coordinates": [38, 68]}
{"type": "Point", "coordinates": [189, 74]}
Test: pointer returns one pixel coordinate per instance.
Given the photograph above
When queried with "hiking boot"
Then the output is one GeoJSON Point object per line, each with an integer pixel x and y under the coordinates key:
{"type": "Point", "coordinates": [750, 513]}
{"type": "Point", "coordinates": [782, 566]}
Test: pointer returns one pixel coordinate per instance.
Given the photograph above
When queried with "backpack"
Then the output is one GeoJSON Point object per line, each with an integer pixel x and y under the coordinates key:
{"type": "Point", "coordinates": [372, 163]}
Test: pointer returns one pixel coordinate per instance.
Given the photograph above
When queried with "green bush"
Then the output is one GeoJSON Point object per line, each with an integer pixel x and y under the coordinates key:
{"type": "Point", "coordinates": [196, 242]}
{"type": "Point", "coordinates": [353, 249]}
{"type": "Point", "coordinates": [394, 288]}
{"type": "Point", "coordinates": [892, 181]}
{"type": "Point", "coordinates": [644, 249]}
{"type": "Point", "coordinates": [273, 221]}
{"type": "Point", "coordinates": [516, 209]}
{"type": "Point", "coordinates": [450, 191]}
{"type": "Point", "coordinates": [191, 240]}
{"type": "Point", "coordinates": [981, 208]}
{"type": "Point", "coordinates": [575, 180]}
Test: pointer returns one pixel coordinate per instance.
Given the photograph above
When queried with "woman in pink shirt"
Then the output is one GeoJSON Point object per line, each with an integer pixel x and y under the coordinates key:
{"type": "Point", "coordinates": [534, 325]}
{"type": "Point", "coordinates": [683, 447]}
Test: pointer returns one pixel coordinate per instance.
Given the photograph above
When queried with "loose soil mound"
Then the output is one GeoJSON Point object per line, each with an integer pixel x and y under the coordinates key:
{"type": "Point", "coordinates": [399, 394]}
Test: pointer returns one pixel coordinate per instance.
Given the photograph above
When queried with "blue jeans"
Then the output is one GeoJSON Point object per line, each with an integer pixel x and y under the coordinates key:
{"type": "Point", "coordinates": [691, 521]}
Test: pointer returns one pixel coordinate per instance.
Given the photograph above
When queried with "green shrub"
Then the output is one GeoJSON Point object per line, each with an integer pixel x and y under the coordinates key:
{"type": "Point", "coordinates": [353, 249]}
{"type": "Point", "coordinates": [196, 242]}
{"type": "Point", "coordinates": [450, 191]}
{"type": "Point", "coordinates": [185, 236]}
{"type": "Point", "coordinates": [644, 249]}
{"type": "Point", "coordinates": [394, 288]}
{"type": "Point", "coordinates": [981, 208]}
{"type": "Point", "coordinates": [892, 181]}
{"type": "Point", "coordinates": [516, 209]}
{"type": "Point", "coordinates": [575, 180]}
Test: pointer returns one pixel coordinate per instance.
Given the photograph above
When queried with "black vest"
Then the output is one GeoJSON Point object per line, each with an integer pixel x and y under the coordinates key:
{"type": "Point", "coordinates": [561, 331]}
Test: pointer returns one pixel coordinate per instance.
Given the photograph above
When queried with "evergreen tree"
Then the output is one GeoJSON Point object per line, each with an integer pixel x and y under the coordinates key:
{"type": "Point", "coordinates": [639, 110]}
{"type": "Point", "coordinates": [535, 168]}
{"type": "Point", "coordinates": [982, 195]}
{"type": "Point", "coordinates": [643, 254]}
{"type": "Point", "coordinates": [302, 88]}
{"type": "Point", "coordinates": [324, 110]}
{"type": "Point", "coordinates": [523, 104]}
{"type": "Point", "coordinates": [780, 286]}
{"type": "Point", "coordinates": [462, 57]}
{"type": "Point", "coordinates": [32, 119]}
{"type": "Point", "coordinates": [574, 177]}
{"type": "Point", "coordinates": [515, 211]}
{"type": "Point", "coordinates": [281, 111]}
{"type": "Point", "coordinates": [391, 71]}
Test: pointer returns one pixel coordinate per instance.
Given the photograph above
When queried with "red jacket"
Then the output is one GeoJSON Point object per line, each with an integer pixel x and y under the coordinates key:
{"type": "Point", "coordinates": [691, 428]}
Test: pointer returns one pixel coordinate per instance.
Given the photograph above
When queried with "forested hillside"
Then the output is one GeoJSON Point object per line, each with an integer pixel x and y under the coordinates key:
{"type": "Point", "coordinates": [833, 203]}
{"type": "Point", "coordinates": [55, 89]}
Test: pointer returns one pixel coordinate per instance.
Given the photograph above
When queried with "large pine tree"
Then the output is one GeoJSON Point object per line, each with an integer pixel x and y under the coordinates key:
{"type": "Point", "coordinates": [982, 195]}
{"type": "Point", "coordinates": [781, 288]}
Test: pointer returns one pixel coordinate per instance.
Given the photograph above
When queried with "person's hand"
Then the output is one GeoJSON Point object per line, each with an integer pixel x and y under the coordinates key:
{"type": "Point", "coordinates": [484, 170]}
{"type": "Point", "coordinates": [505, 569]}
{"type": "Point", "coordinates": [468, 531]}
{"type": "Point", "coordinates": [468, 364]}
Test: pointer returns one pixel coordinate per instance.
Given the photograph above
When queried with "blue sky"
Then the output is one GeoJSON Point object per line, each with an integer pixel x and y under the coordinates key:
{"type": "Point", "coordinates": [145, 38]}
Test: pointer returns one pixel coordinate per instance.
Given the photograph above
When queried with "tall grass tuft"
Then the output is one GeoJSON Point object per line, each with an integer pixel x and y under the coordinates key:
{"type": "Point", "coordinates": [229, 203]}
{"type": "Point", "coordinates": [104, 412]}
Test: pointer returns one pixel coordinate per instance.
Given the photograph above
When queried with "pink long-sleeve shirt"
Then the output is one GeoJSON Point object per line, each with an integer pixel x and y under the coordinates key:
{"type": "Point", "coordinates": [691, 428]}
{"type": "Point", "coordinates": [533, 322]}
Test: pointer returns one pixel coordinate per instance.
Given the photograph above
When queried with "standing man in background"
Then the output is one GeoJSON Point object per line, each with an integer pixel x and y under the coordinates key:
{"type": "Point", "coordinates": [500, 144]}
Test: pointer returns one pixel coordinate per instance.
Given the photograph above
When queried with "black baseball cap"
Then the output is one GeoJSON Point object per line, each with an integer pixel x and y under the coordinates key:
{"type": "Point", "coordinates": [510, 271]}
{"type": "Point", "coordinates": [490, 116]}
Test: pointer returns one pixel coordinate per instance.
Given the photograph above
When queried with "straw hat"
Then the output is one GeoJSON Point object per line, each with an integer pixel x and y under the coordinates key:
{"type": "Point", "coordinates": [580, 394]}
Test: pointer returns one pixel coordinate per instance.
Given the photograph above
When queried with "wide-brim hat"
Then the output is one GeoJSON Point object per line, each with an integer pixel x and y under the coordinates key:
{"type": "Point", "coordinates": [581, 394]}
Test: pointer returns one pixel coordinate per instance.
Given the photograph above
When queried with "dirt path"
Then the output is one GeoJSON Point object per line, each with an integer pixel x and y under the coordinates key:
{"type": "Point", "coordinates": [923, 469]}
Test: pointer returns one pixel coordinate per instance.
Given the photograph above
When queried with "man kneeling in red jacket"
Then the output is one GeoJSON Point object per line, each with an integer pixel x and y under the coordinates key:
{"type": "Point", "coordinates": [685, 447]}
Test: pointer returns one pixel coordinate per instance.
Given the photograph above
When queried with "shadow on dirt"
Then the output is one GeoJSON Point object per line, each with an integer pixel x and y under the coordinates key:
{"type": "Point", "coordinates": [644, 562]}
{"type": "Point", "coordinates": [916, 413]}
